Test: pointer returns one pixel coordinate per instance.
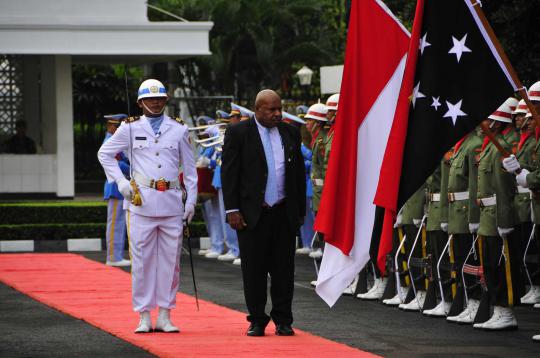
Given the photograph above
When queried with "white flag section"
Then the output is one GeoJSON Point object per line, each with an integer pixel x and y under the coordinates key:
{"type": "Point", "coordinates": [338, 270]}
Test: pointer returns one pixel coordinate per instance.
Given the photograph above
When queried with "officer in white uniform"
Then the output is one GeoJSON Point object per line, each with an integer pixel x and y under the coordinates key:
{"type": "Point", "coordinates": [156, 146]}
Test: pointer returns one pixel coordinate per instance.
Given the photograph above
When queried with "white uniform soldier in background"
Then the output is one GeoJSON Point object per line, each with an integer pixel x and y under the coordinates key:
{"type": "Point", "coordinates": [156, 146]}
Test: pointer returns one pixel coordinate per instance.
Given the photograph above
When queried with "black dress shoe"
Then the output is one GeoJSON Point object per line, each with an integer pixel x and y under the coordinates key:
{"type": "Point", "coordinates": [284, 330]}
{"type": "Point", "coordinates": [256, 330]}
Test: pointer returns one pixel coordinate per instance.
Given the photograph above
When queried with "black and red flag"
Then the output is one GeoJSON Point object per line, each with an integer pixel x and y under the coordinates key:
{"type": "Point", "coordinates": [454, 78]}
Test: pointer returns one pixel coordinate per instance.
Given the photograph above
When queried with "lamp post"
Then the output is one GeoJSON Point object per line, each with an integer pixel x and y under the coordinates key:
{"type": "Point", "coordinates": [304, 75]}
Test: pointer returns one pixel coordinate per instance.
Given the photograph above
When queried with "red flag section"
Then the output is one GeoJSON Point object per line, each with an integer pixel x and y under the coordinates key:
{"type": "Point", "coordinates": [374, 64]}
{"type": "Point", "coordinates": [388, 188]}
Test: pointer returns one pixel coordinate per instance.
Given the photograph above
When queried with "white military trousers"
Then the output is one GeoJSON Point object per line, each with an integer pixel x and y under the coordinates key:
{"type": "Point", "coordinates": [155, 244]}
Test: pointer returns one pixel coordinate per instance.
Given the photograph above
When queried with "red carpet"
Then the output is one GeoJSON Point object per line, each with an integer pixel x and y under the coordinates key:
{"type": "Point", "coordinates": [100, 295]}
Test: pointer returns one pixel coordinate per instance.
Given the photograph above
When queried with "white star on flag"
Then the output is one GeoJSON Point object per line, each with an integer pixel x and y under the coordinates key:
{"type": "Point", "coordinates": [416, 94]}
{"type": "Point", "coordinates": [424, 43]}
{"type": "Point", "coordinates": [436, 104]}
{"type": "Point", "coordinates": [459, 47]}
{"type": "Point", "coordinates": [454, 111]}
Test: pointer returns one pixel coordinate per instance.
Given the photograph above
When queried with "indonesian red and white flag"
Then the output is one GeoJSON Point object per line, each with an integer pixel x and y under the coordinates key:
{"type": "Point", "coordinates": [374, 63]}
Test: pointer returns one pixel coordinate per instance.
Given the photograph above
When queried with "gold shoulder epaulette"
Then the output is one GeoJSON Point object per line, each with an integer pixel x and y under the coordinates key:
{"type": "Point", "coordinates": [179, 120]}
{"type": "Point", "coordinates": [132, 119]}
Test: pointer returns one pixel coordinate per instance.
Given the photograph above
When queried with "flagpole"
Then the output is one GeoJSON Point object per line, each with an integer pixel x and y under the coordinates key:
{"type": "Point", "coordinates": [477, 6]}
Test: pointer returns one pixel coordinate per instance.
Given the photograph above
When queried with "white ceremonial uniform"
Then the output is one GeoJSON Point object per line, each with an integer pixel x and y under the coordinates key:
{"type": "Point", "coordinates": [155, 227]}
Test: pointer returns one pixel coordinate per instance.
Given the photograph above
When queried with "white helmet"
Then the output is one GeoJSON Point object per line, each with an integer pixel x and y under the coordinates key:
{"type": "Point", "coordinates": [512, 103]}
{"type": "Point", "coordinates": [318, 112]}
{"type": "Point", "coordinates": [521, 108]}
{"type": "Point", "coordinates": [502, 114]}
{"type": "Point", "coordinates": [332, 102]}
{"type": "Point", "coordinates": [534, 92]}
{"type": "Point", "coordinates": [151, 88]}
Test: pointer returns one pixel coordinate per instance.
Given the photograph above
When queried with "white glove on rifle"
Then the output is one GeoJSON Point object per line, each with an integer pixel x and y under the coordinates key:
{"type": "Point", "coordinates": [417, 222]}
{"type": "Point", "coordinates": [521, 178]}
{"type": "Point", "coordinates": [511, 164]}
{"type": "Point", "coordinates": [189, 212]}
{"type": "Point", "coordinates": [125, 188]}
{"type": "Point", "coordinates": [444, 227]}
{"type": "Point", "coordinates": [399, 219]}
{"type": "Point", "coordinates": [473, 227]}
{"type": "Point", "coordinates": [504, 232]}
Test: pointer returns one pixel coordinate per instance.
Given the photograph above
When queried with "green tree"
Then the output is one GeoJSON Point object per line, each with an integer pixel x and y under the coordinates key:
{"type": "Point", "coordinates": [515, 23]}
{"type": "Point", "coordinates": [259, 43]}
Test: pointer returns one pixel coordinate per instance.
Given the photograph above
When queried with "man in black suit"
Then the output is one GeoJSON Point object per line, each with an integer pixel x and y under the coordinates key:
{"type": "Point", "coordinates": [264, 190]}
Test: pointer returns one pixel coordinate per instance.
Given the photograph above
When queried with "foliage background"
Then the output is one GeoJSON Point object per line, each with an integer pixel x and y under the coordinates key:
{"type": "Point", "coordinates": [261, 44]}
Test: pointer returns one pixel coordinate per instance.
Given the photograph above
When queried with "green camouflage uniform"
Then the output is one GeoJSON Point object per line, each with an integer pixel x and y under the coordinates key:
{"type": "Point", "coordinates": [462, 178]}
{"type": "Point", "coordinates": [319, 163]}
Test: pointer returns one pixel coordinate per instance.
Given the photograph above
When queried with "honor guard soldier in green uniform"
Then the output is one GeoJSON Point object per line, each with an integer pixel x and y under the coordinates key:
{"type": "Point", "coordinates": [530, 179]}
{"type": "Point", "coordinates": [412, 214]}
{"type": "Point", "coordinates": [463, 220]}
{"type": "Point", "coordinates": [496, 191]}
{"type": "Point", "coordinates": [522, 200]}
{"type": "Point", "coordinates": [319, 133]}
{"type": "Point", "coordinates": [437, 238]}
{"type": "Point", "coordinates": [407, 221]}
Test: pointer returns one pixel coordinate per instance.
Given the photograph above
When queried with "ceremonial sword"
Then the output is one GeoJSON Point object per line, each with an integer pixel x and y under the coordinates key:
{"type": "Point", "coordinates": [187, 234]}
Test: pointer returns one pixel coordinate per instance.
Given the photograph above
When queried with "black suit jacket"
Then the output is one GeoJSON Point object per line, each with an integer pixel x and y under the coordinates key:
{"type": "Point", "coordinates": [244, 172]}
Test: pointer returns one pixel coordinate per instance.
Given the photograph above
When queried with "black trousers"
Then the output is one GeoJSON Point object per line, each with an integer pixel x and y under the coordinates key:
{"type": "Point", "coordinates": [462, 244]}
{"type": "Point", "coordinates": [523, 230]}
{"type": "Point", "coordinates": [268, 249]}
{"type": "Point", "coordinates": [501, 273]}
{"type": "Point", "coordinates": [436, 241]}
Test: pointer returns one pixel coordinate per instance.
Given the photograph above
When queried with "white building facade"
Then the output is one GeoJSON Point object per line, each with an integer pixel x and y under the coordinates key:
{"type": "Point", "coordinates": [44, 38]}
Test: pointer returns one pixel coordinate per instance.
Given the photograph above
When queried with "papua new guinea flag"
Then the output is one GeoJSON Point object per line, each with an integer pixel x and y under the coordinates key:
{"type": "Point", "coordinates": [454, 78]}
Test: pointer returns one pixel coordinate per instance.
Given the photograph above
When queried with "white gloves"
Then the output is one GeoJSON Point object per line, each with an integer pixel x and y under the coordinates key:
{"type": "Point", "coordinates": [417, 222]}
{"type": "Point", "coordinates": [473, 227]}
{"type": "Point", "coordinates": [398, 222]}
{"type": "Point", "coordinates": [504, 232]}
{"type": "Point", "coordinates": [189, 211]}
{"type": "Point", "coordinates": [521, 178]}
{"type": "Point", "coordinates": [511, 164]}
{"type": "Point", "coordinates": [202, 162]}
{"type": "Point", "coordinates": [125, 188]}
{"type": "Point", "coordinates": [444, 227]}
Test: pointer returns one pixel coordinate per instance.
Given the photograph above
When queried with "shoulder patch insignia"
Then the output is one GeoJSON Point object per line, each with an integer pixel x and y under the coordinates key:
{"type": "Point", "coordinates": [179, 120]}
{"type": "Point", "coordinates": [132, 119]}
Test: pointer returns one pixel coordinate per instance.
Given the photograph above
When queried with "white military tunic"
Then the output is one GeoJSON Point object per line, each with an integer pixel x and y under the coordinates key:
{"type": "Point", "coordinates": [155, 227]}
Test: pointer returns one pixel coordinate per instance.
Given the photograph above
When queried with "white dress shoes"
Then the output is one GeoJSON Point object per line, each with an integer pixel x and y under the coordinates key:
{"type": "Point", "coordinates": [467, 315]}
{"type": "Point", "coordinates": [532, 297]}
{"type": "Point", "coordinates": [303, 251]}
{"type": "Point", "coordinates": [163, 322]}
{"type": "Point", "coordinates": [416, 303]}
{"type": "Point", "coordinates": [502, 318]}
{"type": "Point", "coordinates": [145, 323]}
{"type": "Point", "coordinates": [376, 291]}
{"type": "Point", "coordinates": [212, 254]}
{"type": "Point", "coordinates": [441, 310]}
{"type": "Point", "coordinates": [121, 263]}
{"type": "Point", "coordinates": [229, 256]}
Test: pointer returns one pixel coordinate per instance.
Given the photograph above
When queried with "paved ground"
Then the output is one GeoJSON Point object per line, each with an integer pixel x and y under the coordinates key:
{"type": "Point", "coordinates": [32, 329]}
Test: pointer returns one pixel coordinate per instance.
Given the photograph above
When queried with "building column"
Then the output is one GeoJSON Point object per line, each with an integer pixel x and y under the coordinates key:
{"type": "Point", "coordinates": [57, 119]}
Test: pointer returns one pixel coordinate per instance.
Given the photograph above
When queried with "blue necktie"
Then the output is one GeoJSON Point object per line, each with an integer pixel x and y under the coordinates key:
{"type": "Point", "coordinates": [271, 194]}
{"type": "Point", "coordinates": [156, 123]}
